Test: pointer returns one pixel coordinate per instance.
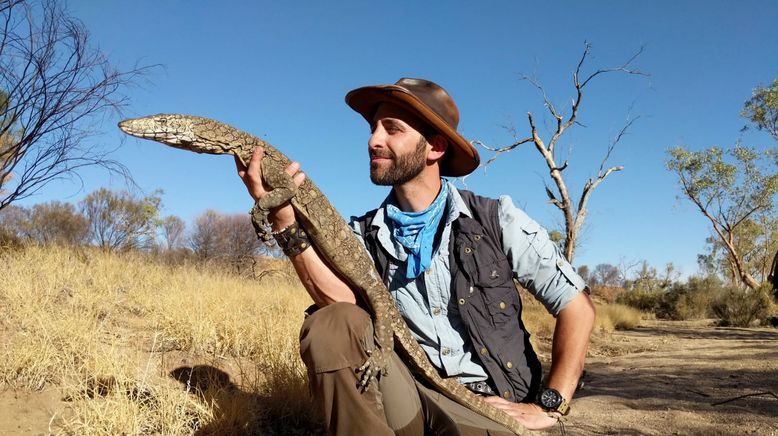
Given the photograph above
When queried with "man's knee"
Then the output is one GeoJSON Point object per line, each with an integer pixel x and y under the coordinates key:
{"type": "Point", "coordinates": [335, 337]}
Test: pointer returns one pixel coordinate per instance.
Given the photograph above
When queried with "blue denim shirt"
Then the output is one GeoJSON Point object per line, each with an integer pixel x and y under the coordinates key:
{"type": "Point", "coordinates": [537, 264]}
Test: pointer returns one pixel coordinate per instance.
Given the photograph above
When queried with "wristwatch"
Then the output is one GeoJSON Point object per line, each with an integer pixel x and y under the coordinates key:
{"type": "Point", "coordinates": [552, 401]}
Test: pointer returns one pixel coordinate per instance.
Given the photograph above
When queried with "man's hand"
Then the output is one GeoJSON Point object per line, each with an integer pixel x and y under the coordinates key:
{"type": "Point", "coordinates": [529, 415]}
{"type": "Point", "coordinates": [252, 177]}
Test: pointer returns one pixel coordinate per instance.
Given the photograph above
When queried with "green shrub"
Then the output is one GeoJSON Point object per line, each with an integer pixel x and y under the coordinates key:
{"type": "Point", "coordinates": [690, 300]}
{"type": "Point", "coordinates": [741, 307]}
{"type": "Point", "coordinates": [644, 300]}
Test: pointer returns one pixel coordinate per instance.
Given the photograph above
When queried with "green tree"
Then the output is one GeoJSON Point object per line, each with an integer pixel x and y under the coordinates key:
{"type": "Point", "coordinates": [121, 221]}
{"type": "Point", "coordinates": [762, 109]}
{"type": "Point", "coordinates": [757, 240]}
{"type": "Point", "coordinates": [731, 189]}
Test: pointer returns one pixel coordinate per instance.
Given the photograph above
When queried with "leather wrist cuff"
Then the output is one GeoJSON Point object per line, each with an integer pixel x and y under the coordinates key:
{"type": "Point", "coordinates": [293, 240]}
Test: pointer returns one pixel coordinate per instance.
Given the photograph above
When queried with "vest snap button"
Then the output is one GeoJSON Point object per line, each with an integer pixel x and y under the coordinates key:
{"type": "Point", "coordinates": [471, 289]}
{"type": "Point", "coordinates": [509, 365]}
{"type": "Point", "coordinates": [477, 237]}
{"type": "Point", "coordinates": [468, 250]}
{"type": "Point", "coordinates": [461, 301]}
{"type": "Point", "coordinates": [506, 395]}
{"type": "Point", "coordinates": [484, 351]}
{"type": "Point", "coordinates": [502, 305]}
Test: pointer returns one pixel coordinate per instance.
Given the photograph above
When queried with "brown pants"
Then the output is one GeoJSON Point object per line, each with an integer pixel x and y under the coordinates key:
{"type": "Point", "coordinates": [333, 344]}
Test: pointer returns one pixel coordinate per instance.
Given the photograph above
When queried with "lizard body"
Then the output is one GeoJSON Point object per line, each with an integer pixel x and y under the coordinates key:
{"type": "Point", "coordinates": [331, 236]}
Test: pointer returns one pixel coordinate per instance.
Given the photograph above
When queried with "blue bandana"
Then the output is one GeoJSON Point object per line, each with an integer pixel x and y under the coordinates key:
{"type": "Point", "coordinates": [416, 231]}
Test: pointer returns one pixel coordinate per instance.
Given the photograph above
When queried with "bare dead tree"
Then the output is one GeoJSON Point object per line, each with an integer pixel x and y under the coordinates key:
{"type": "Point", "coordinates": [560, 196]}
{"type": "Point", "coordinates": [173, 229]}
{"type": "Point", "coordinates": [54, 88]}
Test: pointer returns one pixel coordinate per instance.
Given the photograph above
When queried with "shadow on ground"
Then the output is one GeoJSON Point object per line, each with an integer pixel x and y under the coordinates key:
{"type": "Point", "coordinates": [236, 411]}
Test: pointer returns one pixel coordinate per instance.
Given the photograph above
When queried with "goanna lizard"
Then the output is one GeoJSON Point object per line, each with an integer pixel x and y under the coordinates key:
{"type": "Point", "coordinates": [331, 236]}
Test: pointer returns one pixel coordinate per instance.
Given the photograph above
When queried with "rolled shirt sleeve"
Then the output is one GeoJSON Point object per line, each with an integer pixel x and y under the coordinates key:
{"type": "Point", "coordinates": [537, 263]}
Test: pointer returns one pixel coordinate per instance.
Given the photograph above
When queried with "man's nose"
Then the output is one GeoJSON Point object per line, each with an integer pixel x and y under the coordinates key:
{"type": "Point", "coordinates": [376, 138]}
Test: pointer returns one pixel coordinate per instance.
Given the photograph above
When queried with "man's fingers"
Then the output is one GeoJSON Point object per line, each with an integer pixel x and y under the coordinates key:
{"type": "Point", "coordinates": [299, 178]}
{"type": "Point", "coordinates": [255, 163]}
{"type": "Point", "coordinates": [256, 156]}
{"type": "Point", "coordinates": [293, 168]}
{"type": "Point", "coordinates": [239, 166]}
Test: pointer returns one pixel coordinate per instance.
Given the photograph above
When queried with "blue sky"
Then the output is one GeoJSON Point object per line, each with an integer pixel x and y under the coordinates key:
{"type": "Point", "coordinates": [280, 70]}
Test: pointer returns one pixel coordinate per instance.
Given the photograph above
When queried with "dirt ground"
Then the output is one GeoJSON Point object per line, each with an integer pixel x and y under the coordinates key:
{"type": "Point", "coordinates": [664, 378]}
{"type": "Point", "coordinates": [680, 378]}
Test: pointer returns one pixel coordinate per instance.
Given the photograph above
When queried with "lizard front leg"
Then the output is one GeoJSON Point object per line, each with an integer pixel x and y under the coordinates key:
{"type": "Point", "coordinates": [378, 359]}
{"type": "Point", "coordinates": [282, 190]}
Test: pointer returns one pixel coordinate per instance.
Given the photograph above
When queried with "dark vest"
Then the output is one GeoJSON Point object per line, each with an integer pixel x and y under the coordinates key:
{"type": "Point", "coordinates": [485, 296]}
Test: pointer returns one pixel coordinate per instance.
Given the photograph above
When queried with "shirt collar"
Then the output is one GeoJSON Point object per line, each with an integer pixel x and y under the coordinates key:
{"type": "Point", "coordinates": [455, 207]}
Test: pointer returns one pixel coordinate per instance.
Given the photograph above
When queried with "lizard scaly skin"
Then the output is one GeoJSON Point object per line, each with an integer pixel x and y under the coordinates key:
{"type": "Point", "coordinates": [331, 236]}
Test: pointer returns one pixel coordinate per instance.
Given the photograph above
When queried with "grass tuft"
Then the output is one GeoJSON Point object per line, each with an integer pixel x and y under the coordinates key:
{"type": "Point", "coordinates": [115, 331]}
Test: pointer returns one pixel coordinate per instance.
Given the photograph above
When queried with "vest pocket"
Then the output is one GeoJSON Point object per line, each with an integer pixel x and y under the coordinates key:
{"type": "Point", "coordinates": [503, 305]}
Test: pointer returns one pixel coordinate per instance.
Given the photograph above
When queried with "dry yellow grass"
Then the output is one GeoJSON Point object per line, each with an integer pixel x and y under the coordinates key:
{"type": "Point", "coordinates": [113, 332]}
{"type": "Point", "coordinates": [137, 347]}
{"type": "Point", "coordinates": [616, 316]}
{"type": "Point", "coordinates": [609, 317]}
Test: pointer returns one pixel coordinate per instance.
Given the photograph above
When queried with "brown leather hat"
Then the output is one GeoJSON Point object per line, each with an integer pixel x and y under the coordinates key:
{"type": "Point", "coordinates": [433, 105]}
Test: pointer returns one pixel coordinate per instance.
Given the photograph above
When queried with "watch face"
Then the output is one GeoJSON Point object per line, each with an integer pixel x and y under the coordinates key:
{"type": "Point", "coordinates": [550, 399]}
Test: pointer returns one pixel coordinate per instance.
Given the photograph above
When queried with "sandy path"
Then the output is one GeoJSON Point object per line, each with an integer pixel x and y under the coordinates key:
{"type": "Point", "coordinates": [663, 379]}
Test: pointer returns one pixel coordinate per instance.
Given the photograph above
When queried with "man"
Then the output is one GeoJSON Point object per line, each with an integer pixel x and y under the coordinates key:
{"type": "Point", "coordinates": [449, 258]}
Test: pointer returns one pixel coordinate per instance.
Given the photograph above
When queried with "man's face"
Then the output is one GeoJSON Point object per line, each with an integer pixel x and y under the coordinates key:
{"type": "Point", "coordinates": [398, 152]}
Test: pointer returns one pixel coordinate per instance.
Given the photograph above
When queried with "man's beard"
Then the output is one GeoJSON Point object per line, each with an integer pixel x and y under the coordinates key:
{"type": "Point", "coordinates": [403, 169]}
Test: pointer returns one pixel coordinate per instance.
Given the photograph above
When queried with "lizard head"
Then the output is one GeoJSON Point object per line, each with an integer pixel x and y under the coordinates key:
{"type": "Point", "coordinates": [170, 129]}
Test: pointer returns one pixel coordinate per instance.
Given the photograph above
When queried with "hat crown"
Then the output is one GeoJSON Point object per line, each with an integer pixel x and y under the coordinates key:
{"type": "Point", "coordinates": [435, 97]}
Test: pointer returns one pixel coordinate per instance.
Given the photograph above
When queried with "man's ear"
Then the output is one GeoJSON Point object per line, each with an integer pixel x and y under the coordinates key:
{"type": "Point", "coordinates": [438, 146]}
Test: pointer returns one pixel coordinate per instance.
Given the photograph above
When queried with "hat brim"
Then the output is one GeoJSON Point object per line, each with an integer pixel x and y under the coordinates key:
{"type": "Point", "coordinates": [460, 159]}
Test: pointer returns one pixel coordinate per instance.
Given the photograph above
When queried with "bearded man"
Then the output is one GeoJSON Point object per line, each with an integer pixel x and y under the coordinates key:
{"type": "Point", "coordinates": [450, 260]}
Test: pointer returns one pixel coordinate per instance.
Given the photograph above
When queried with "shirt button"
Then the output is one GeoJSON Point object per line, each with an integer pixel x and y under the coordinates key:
{"type": "Point", "coordinates": [429, 270]}
{"type": "Point", "coordinates": [509, 365]}
{"type": "Point", "coordinates": [436, 311]}
{"type": "Point", "coordinates": [446, 351]}
{"type": "Point", "coordinates": [484, 351]}
{"type": "Point", "coordinates": [559, 263]}
{"type": "Point", "coordinates": [502, 305]}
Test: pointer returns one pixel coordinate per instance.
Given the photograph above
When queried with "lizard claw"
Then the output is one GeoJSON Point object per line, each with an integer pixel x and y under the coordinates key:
{"type": "Point", "coordinates": [261, 223]}
{"type": "Point", "coordinates": [375, 365]}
